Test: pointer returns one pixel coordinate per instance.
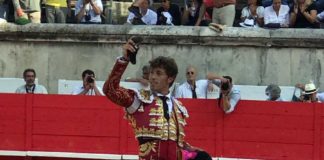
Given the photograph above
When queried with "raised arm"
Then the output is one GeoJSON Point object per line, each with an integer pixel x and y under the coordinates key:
{"type": "Point", "coordinates": [112, 90]}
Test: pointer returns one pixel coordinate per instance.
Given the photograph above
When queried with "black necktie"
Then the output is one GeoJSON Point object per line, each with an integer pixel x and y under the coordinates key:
{"type": "Point", "coordinates": [194, 94]}
{"type": "Point", "coordinates": [165, 107]}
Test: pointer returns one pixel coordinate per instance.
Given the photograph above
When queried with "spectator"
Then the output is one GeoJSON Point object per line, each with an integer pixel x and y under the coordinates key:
{"type": "Point", "coordinates": [27, 11]}
{"type": "Point", "coordinates": [89, 86]}
{"type": "Point", "coordinates": [140, 14]}
{"type": "Point", "coordinates": [193, 14]}
{"type": "Point", "coordinates": [276, 15]}
{"type": "Point", "coordinates": [168, 14]}
{"type": "Point", "coordinates": [224, 12]}
{"type": "Point", "coordinates": [56, 11]}
{"type": "Point", "coordinates": [4, 9]}
{"type": "Point", "coordinates": [229, 94]}
{"type": "Point", "coordinates": [144, 79]}
{"type": "Point", "coordinates": [88, 11]}
{"type": "Point", "coordinates": [309, 93]}
{"type": "Point", "coordinates": [253, 11]}
{"type": "Point", "coordinates": [193, 88]}
{"type": "Point", "coordinates": [30, 86]}
{"type": "Point", "coordinates": [303, 15]}
{"type": "Point", "coordinates": [273, 92]}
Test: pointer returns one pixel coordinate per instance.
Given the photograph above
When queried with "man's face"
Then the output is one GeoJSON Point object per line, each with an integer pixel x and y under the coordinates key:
{"type": "Point", "coordinates": [29, 78]}
{"type": "Point", "coordinates": [146, 74]}
{"type": "Point", "coordinates": [159, 80]}
{"type": "Point", "coordinates": [276, 5]}
{"type": "Point", "coordinates": [86, 78]}
{"type": "Point", "coordinates": [191, 74]}
{"type": "Point", "coordinates": [144, 5]}
{"type": "Point", "coordinates": [166, 4]}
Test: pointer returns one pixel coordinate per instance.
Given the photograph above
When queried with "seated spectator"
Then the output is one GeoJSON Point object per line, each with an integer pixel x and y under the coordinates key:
{"type": "Point", "coordinates": [229, 95]}
{"type": "Point", "coordinates": [27, 11]}
{"type": "Point", "coordinates": [276, 15]}
{"type": "Point", "coordinates": [273, 92]}
{"type": "Point", "coordinates": [253, 11]}
{"type": "Point", "coordinates": [144, 79]}
{"type": "Point", "coordinates": [193, 14]}
{"type": "Point", "coordinates": [193, 88]}
{"type": "Point", "coordinates": [30, 86]}
{"type": "Point", "coordinates": [88, 11]}
{"type": "Point", "coordinates": [168, 14]}
{"type": "Point", "coordinates": [303, 15]}
{"type": "Point", "coordinates": [89, 86]}
{"type": "Point", "coordinates": [140, 14]}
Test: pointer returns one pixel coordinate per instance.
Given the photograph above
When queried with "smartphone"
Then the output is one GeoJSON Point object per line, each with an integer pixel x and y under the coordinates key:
{"type": "Point", "coordinates": [132, 56]}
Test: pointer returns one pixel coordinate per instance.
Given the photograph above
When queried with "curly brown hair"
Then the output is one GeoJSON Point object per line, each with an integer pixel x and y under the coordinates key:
{"type": "Point", "coordinates": [166, 63]}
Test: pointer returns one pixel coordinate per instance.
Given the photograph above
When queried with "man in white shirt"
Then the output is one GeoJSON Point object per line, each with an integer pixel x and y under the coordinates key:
{"type": "Point", "coordinates": [89, 86]}
{"type": "Point", "coordinates": [192, 88]}
{"type": "Point", "coordinates": [30, 86]}
{"type": "Point", "coordinates": [147, 16]}
{"type": "Point", "coordinates": [276, 15]}
{"type": "Point", "coordinates": [88, 11]}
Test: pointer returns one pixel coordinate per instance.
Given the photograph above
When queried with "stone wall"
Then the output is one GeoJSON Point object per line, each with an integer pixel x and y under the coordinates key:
{"type": "Point", "coordinates": [251, 56]}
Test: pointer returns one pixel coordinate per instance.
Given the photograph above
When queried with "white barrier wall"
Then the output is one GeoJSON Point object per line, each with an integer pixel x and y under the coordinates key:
{"type": "Point", "coordinates": [9, 85]}
{"type": "Point", "coordinates": [248, 92]}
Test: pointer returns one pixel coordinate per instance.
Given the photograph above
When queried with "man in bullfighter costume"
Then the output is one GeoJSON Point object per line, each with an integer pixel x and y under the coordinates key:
{"type": "Point", "coordinates": [157, 118]}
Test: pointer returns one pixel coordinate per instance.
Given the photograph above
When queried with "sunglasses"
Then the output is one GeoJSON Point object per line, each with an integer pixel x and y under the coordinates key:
{"type": "Point", "coordinates": [190, 73]}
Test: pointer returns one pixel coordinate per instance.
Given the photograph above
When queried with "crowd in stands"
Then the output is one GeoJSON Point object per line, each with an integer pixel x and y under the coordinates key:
{"type": "Point", "coordinates": [256, 13]}
{"type": "Point", "coordinates": [229, 94]}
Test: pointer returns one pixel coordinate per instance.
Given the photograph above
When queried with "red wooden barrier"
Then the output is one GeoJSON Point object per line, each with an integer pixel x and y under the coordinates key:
{"type": "Point", "coordinates": [256, 129]}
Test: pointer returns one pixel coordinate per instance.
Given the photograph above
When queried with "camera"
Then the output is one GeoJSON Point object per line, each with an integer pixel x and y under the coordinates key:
{"type": "Point", "coordinates": [307, 97]}
{"type": "Point", "coordinates": [90, 79]}
{"type": "Point", "coordinates": [225, 86]}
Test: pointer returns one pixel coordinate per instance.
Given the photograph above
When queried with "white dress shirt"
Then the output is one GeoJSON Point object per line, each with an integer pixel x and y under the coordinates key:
{"type": "Point", "coordinates": [150, 18]}
{"type": "Point", "coordinates": [270, 15]}
{"type": "Point", "coordinates": [88, 9]}
{"type": "Point", "coordinates": [78, 89]}
{"type": "Point", "coordinates": [184, 90]}
{"type": "Point", "coordinates": [39, 89]}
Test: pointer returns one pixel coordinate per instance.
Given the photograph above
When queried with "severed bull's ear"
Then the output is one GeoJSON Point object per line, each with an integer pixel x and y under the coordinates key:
{"type": "Point", "coordinates": [216, 27]}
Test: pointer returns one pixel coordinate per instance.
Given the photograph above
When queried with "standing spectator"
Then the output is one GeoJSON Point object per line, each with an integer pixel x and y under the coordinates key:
{"type": "Point", "coordinates": [56, 11]}
{"type": "Point", "coordinates": [309, 93]}
{"type": "Point", "coordinates": [224, 12]}
{"type": "Point", "coordinates": [276, 15]}
{"type": "Point", "coordinates": [89, 86]}
{"type": "Point", "coordinates": [168, 14]}
{"type": "Point", "coordinates": [144, 79]}
{"type": "Point", "coordinates": [191, 13]}
{"type": "Point", "coordinates": [30, 86]}
{"type": "Point", "coordinates": [273, 92]}
{"type": "Point", "coordinates": [229, 95]}
{"type": "Point", "coordinates": [140, 14]}
{"type": "Point", "coordinates": [193, 88]}
{"type": "Point", "coordinates": [4, 9]}
{"type": "Point", "coordinates": [88, 11]}
{"type": "Point", "coordinates": [27, 11]}
{"type": "Point", "coordinates": [303, 14]}
{"type": "Point", "coordinates": [253, 11]}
